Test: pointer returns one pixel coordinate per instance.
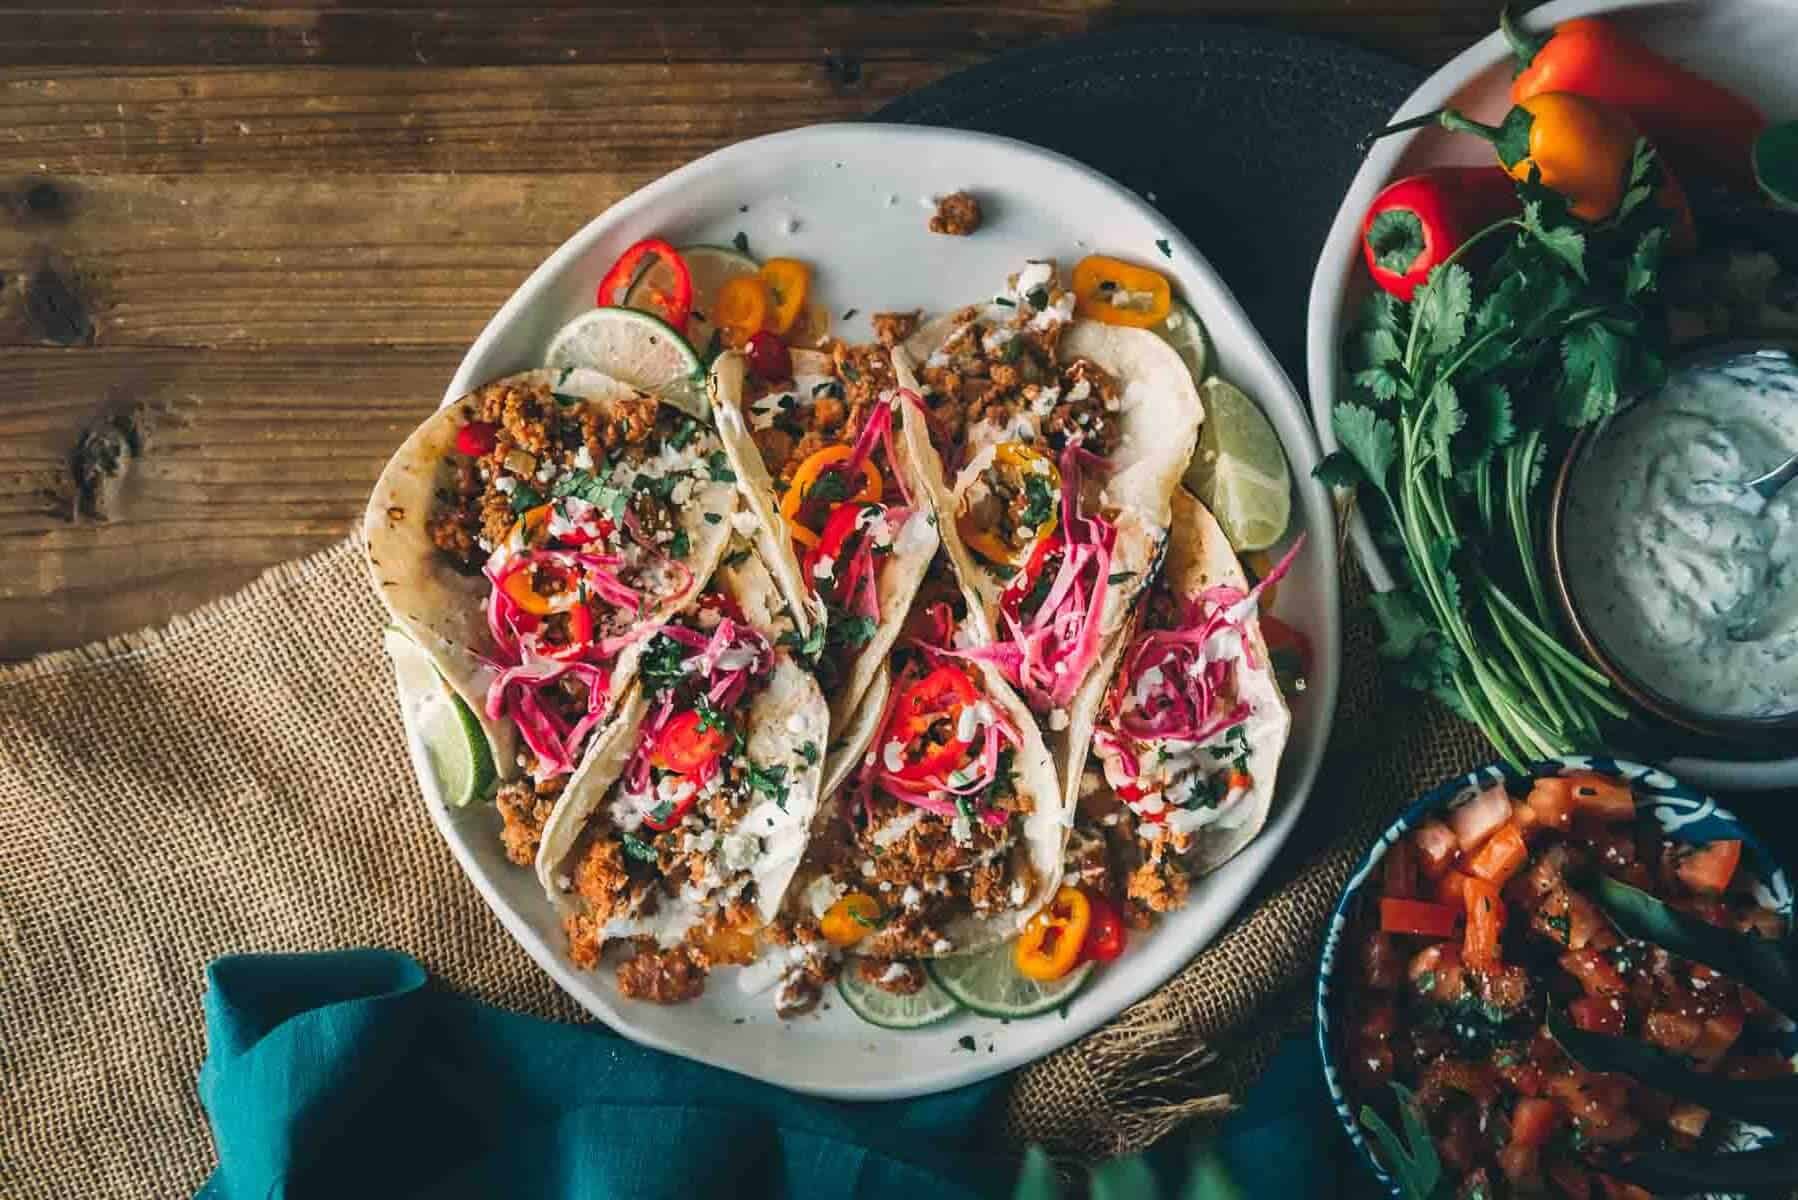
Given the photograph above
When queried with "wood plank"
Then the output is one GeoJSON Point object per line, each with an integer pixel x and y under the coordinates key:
{"type": "Point", "coordinates": [638, 119]}
{"type": "Point", "coordinates": [422, 32]}
{"type": "Point", "coordinates": [292, 260]}
{"type": "Point", "coordinates": [253, 459]}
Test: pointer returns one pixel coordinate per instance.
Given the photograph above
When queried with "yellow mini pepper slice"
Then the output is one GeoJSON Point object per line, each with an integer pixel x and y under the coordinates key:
{"type": "Point", "coordinates": [1050, 945]}
{"type": "Point", "coordinates": [848, 920]}
{"type": "Point", "coordinates": [788, 280]}
{"type": "Point", "coordinates": [982, 536]}
{"type": "Point", "coordinates": [1114, 292]}
{"type": "Point", "coordinates": [793, 501]}
{"type": "Point", "coordinates": [741, 309]}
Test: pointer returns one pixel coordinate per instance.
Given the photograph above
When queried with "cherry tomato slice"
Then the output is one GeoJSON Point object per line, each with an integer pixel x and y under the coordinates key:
{"type": "Point", "coordinates": [768, 357]}
{"type": "Point", "coordinates": [686, 749]}
{"type": "Point", "coordinates": [476, 438]}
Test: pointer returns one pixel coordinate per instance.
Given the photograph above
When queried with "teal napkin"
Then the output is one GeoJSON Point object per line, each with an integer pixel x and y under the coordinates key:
{"type": "Point", "coordinates": [343, 1075]}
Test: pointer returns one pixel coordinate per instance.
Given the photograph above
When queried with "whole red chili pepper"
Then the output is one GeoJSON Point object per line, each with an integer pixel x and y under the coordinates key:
{"type": "Point", "coordinates": [1699, 126]}
{"type": "Point", "coordinates": [1419, 221]}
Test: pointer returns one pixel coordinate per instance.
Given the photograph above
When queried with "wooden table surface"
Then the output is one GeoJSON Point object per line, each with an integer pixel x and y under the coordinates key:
{"type": "Point", "coordinates": [243, 247]}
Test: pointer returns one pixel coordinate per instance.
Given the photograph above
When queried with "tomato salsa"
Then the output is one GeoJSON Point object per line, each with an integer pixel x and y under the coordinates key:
{"type": "Point", "coordinates": [1483, 928]}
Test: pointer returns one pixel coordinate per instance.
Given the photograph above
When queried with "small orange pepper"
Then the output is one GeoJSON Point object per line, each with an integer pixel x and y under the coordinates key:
{"type": "Point", "coordinates": [1050, 945]}
{"type": "Point", "coordinates": [522, 587]}
{"type": "Point", "coordinates": [983, 537]}
{"type": "Point", "coordinates": [1114, 292]}
{"type": "Point", "coordinates": [805, 479]}
{"type": "Point", "coordinates": [848, 920]}
{"type": "Point", "coordinates": [741, 309]}
{"type": "Point", "coordinates": [788, 280]}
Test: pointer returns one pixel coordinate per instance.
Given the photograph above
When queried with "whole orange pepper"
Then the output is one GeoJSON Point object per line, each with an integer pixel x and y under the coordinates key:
{"type": "Point", "coordinates": [1050, 945]}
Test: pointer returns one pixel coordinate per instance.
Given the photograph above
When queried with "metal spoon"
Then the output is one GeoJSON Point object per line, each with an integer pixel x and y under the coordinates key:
{"type": "Point", "coordinates": [1767, 486]}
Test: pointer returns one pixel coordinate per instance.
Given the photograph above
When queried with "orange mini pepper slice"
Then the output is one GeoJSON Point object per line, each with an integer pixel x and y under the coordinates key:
{"type": "Point", "coordinates": [983, 537]}
{"type": "Point", "coordinates": [741, 309]}
{"type": "Point", "coordinates": [788, 280]}
{"type": "Point", "coordinates": [1050, 945]}
{"type": "Point", "coordinates": [1114, 292]}
{"type": "Point", "coordinates": [806, 479]}
{"type": "Point", "coordinates": [848, 920]}
{"type": "Point", "coordinates": [522, 587]}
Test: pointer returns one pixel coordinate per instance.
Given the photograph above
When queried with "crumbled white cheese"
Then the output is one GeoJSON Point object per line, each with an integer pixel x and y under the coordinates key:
{"type": "Point", "coordinates": [1037, 273]}
{"type": "Point", "coordinates": [942, 946]}
{"type": "Point", "coordinates": [796, 723]}
{"type": "Point", "coordinates": [895, 829]}
{"type": "Point", "coordinates": [745, 522]}
{"type": "Point", "coordinates": [683, 492]}
{"type": "Point", "coordinates": [1110, 819]}
{"type": "Point", "coordinates": [937, 361]}
{"type": "Point", "coordinates": [1045, 400]}
{"type": "Point", "coordinates": [823, 568]}
{"type": "Point", "coordinates": [505, 484]}
{"type": "Point", "coordinates": [911, 897]}
{"type": "Point", "coordinates": [886, 885]}
{"type": "Point", "coordinates": [1059, 312]}
{"type": "Point", "coordinates": [869, 870]}
{"type": "Point", "coordinates": [1018, 893]}
{"type": "Point", "coordinates": [961, 829]}
{"type": "Point", "coordinates": [892, 755]}
{"type": "Point", "coordinates": [822, 893]}
{"type": "Point", "coordinates": [895, 972]}
{"type": "Point", "coordinates": [998, 339]}
{"type": "Point", "coordinates": [739, 851]}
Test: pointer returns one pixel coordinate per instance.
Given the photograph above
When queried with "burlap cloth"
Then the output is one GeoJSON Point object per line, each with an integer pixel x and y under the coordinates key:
{"type": "Point", "coordinates": [239, 782]}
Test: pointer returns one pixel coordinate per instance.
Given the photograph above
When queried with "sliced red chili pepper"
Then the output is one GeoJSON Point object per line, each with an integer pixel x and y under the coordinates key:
{"type": "Point", "coordinates": [939, 696]}
{"type": "Point", "coordinates": [580, 633]}
{"type": "Point", "coordinates": [1105, 935]}
{"type": "Point", "coordinates": [839, 530]}
{"type": "Point", "coordinates": [673, 306]}
{"type": "Point", "coordinates": [1019, 588]}
{"type": "Point", "coordinates": [685, 748]}
{"type": "Point", "coordinates": [476, 438]}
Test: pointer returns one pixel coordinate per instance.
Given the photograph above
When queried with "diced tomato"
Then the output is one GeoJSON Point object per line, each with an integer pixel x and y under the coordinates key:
{"type": "Point", "coordinates": [1501, 857]}
{"type": "Point", "coordinates": [476, 438]}
{"type": "Point", "coordinates": [1594, 972]}
{"type": "Point", "coordinates": [1436, 973]}
{"type": "Point", "coordinates": [1672, 1030]}
{"type": "Point", "coordinates": [1400, 870]}
{"type": "Point", "coordinates": [1710, 868]}
{"type": "Point", "coordinates": [1551, 800]}
{"type": "Point", "coordinates": [1485, 921]}
{"type": "Point", "coordinates": [1720, 1032]}
{"type": "Point", "coordinates": [1436, 847]}
{"type": "Point", "coordinates": [1606, 799]}
{"type": "Point", "coordinates": [1452, 888]}
{"type": "Point", "coordinates": [1382, 968]}
{"type": "Point", "coordinates": [1418, 917]}
{"type": "Point", "coordinates": [1596, 1014]}
{"type": "Point", "coordinates": [1534, 1121]}
{"type": "Point", "coordinates": [687, 745]}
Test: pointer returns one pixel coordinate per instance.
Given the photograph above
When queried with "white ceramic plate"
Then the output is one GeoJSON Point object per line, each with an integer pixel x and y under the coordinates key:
{"type": "Point", "coordinates": [853, 200]}
{"type": "Point", "coordinates": [1750, 45]}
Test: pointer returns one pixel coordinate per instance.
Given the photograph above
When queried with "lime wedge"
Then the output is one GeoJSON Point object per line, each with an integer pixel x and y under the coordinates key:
{"type": "Point", "coordinates": [1776, 163]}
{"type": "Point", "coordinates": [1239, 469]}
{"type": "Point", "coordinates": [991, 985]}
{"type": "Point", "coordinates": [710, 267]}
{"type": "Point", "coordinates": [877, 1006]}
{"type": "Point", "coordinates": [446, 728]}
{"type": "Point", "coordinates": [1183, 330]}
{"type": "Point", "coordinates": [635, 348]}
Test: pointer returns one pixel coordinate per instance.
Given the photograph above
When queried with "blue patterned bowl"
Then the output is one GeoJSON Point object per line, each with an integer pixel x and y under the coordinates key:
{"type": "Point", "coordinates": [1683, 814]}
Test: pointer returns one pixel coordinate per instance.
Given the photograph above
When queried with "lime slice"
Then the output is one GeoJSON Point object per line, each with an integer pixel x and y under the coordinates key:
{"type": "Point", "coordinates": [926, 1006]}
{"type": "Point", "coordinates": [636, 348]}
{"type": "Point", "coordinates": [710, 267]}
{"type": "Point", "coordinates": [446, 728]}
{"type": "Point", "coordinates": [992, 986]}
{"type": "Point", "coordinates": [1776, 163]}
{"type": "Point", "coordinates": [1183, 330]}
{"type": "Point", "coordinates": [1239, 470]}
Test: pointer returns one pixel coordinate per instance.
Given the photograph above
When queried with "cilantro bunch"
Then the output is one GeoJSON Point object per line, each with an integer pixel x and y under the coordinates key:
{"type": "Point", "coordinates": [1459, 398]}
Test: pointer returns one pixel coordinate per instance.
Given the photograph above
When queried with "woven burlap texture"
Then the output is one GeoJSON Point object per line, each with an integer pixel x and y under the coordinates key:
{"type": "Point", "coordinates": [238, 781]}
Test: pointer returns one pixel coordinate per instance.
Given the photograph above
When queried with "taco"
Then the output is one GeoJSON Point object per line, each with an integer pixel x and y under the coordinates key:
{"type": "Point", "coordinates": [1050, 449]}
{"type": "Point", "coordinates": [530, 535]}
{"type": "Point", "coordinates": [1189, 729]}
{"type": "Point", "coordinates": [826, 482]}
{"type": "Point", "coordinates": [683, 828]}
{"type": "Point", "coordinates": [945, 837]}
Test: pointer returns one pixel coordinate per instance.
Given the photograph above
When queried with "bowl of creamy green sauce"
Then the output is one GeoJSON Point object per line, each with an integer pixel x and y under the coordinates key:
{"type": "Point", "coordinates": [1680, 580]}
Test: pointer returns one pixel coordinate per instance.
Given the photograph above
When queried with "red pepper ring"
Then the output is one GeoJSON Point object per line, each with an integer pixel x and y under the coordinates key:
{"type": "Point", "coordinates": [940, 695]}
{"type": "Point", "coordinates": [1019, 587]}
{"type": "Point", "coordinates": [839, 528]}
{"type": "Point", "coordinates": [673, 306]}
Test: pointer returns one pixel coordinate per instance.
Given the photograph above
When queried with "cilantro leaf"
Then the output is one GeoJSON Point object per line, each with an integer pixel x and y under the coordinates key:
{"type": "Point", "coordinates": [1557, 237]}
{"type": "Point", "coordinates": [852, 632]}
{"type": "Point", "coordinates": [770, 782]}
{"type": "Point", "coordinates": [1338, 469]}
{"type": "Point", "coordinates": [1645, 262]}
{"type": "Point", "coordinates": [1446, 419]}
{"type": "Point", "coordinates": [1443, 304]}
{"type": "Point", "coordinates": [809, 752]}
{"type": "Point", "coordinates": [830, 487]}
{"type": "Point", "coordinates": [741, 242]}
{"type": "Point", "coordinates": [681, 545]}
{"type": "Point", "coordinates": [1592, 359]}
{"type": "Point", "coordinates": [737, 558]}
{"type": "Point", "coordinates": [1370, 439]}
{"type": "Point", "coordinates": [524, 496]}
{"type": "Point", "coordinates": [718, 466]}
{"type": "Point", "coordinates": [635, 847]}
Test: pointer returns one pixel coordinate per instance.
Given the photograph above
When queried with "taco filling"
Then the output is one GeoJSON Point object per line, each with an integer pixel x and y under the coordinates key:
{"type": "Point", "coordinates": [671, 857]}
{"type": "Point", "coordinates": [573, 514]}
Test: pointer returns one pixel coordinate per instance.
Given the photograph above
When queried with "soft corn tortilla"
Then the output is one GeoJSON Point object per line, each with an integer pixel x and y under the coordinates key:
{"type": "Point", "coordinates": [1159, 417]}
{"type": "Point", "coordinates": [787, 711]}
{"type": "Point", "coordinates": [1199, 556]}
{"type": "Point", "coordinates": [914, 544]}
{"type": "Point", "coordinates": [440, 608]}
